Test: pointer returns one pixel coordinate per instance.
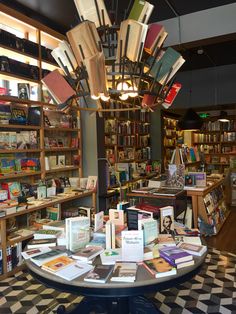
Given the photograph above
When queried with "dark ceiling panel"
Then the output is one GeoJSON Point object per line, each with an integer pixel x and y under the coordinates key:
{"type": "Point", "coordinates": [61, 15]}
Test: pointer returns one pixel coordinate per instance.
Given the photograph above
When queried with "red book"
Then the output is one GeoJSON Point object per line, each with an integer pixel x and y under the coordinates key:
{"type": "Point", "coordinates": [58, 86]}
{"type": "Point", "coordinates": [155, 31]}
{"type": "Point", "coordinates": [173, 92]}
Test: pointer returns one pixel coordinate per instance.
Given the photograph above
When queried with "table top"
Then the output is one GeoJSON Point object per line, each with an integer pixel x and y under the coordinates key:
{"type": "Point", "coordinates": [144, 283]}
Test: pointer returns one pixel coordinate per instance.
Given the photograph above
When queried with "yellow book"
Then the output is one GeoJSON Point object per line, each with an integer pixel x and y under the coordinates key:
{"type": "Point", "coordinates": [58, 264]}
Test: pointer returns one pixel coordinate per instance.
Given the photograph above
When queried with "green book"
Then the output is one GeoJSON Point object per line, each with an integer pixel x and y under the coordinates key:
{"type": "Point", "coordinates": [136, 10]}
{"type": "Point", "coordinates": [168, 59]}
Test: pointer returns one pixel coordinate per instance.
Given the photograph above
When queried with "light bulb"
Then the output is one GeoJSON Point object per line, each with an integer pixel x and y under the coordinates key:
{"type": "Point", "coordinates": [104, 97]}
{"type": "Point", "coordinates": [122, 86]}
{"type": "Point", "coordinates": [95, 97]}
{"type": "Point", "coordinates": [124, 97]}
{"type": "Point", "coordinates": [133, 93]}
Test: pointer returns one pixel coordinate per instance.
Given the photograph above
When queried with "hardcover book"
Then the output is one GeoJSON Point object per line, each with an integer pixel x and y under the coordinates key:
{"type": "Point", "coordinates": [99, 274]}
{"type": "Point", "coordinates": [141, 11]}
{"type": "Point", "coordinates": [132, 245]}
{"type": "Point", "coordinates": [58, 86]}
{"type": "Point", "coordinates": [77, 232]}
{"type": "Point", "coordinates": [156, 35]}
{"type": "Point", "coordinates": [159, 267]}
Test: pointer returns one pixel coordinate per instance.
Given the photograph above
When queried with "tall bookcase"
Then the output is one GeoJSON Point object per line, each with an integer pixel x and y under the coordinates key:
{"type": "Point", "coordinates": [125, 155]}
{"type": "Point", "coordinates": [29, 45]}
{"type": "Point", "coordinates": [217, 141]}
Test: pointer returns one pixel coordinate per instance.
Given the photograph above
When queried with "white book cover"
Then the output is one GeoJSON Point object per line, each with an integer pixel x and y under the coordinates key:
{"type": "Point", "coordinates": [150, 229]}
{"type": "Point", "coordinates": [167, 220]}
{"type": "Point", "coordinates": [34, 252]}
{"type": "Point", "coordinates": [117, 217]}
{"type": "Point", "coordinates": [132, 245]}
{"type": "Point", "coordinates": [73, 271]}
{"type": "Point", "coordinates": [98, 221]}
{"type": "Point", "coordinates": [62, 51]}
{"type": "Point", "coordinates": [40, 259]}
{"type": "Point", "coordinates": [109, 257]}
{"type": "Point", "coordinates": [87, 11]}
{"type": "Point", "coordinates": [108, 234]}
{"type": "Point", "coordinates": [79, 232]}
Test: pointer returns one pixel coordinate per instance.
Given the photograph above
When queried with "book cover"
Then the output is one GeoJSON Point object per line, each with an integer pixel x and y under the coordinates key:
{"type": "Point", "coordinates": [74, 270]}
{"type": "Point", "coordinates": [99, 274]}
{"type": "Point", "coordinates": [41, 243]}
{"type": "Point", "coordinates": [150, 229]}
{"type": "Point", "coordinates": [91, 183]}
{"type": "Point", "coordinates": [87, 253]}
{"type": "Point", "coordinates": [110, 256]}
{"type": "Point", "coordinates": [58, 264]}
{"type": "Point", "coordinates": [167, 220]}
{"type": "Point", "coordinates": [159, 267]}
{"type": "Point", "coordinates": [155, 37]}
{"type": "Point", "coordinates": [117, 216]}
{"type": "Point", "coordinates": [141, 11]}
{"type": "Point", "coordinates": [98, 221]}
{"type": "Point", "coordinates": [34, 252]}
{"type": "Point", "coordinates": [193, 249]}
{"type": "Point", "coordinates": [175, 254]}
{"type": "Point", "coordinates": [39, 260]}
{"type": "Point", "coordinates": [77, 232]}
{"type": "Point", "coordinates": [23, 90]}
{"type": "Point", "coordinates": [46, 234]}
{"type": "Point", "coordinates": [18, 116]}
{"type": "Point", "coordinates": [132, 245]}
{"type": "Point", "coordinates": [124, 272]}
{"type": "Point", "coordinates": [58, 86]}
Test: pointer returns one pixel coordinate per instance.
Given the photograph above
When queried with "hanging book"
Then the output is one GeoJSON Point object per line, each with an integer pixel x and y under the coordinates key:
{"type": "Point", "coordinates": [156, 35]}
{"type": "Point", "coordinates": [58, 86]}
{"type": "Point", "coordinates": [141, 11]}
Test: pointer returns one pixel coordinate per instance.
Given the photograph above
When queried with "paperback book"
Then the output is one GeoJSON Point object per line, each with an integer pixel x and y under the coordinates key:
{"type": "Point", "coordinates": [34, 252]}
{"type": "Point", "coordinates": [124, 272]}
{"type": "Point", "coordinates": [159, 267]}
{"type": "Point", "coordinates": [39, 260]}
{"type": "Point", "coordinates": [41, 243]}
{"type": "Point", "coordinates": [111, 256]}
{"type": "Point", "coordinates": [99, 274]}
{"type": "Point", "coordinates": [74, 270]}
{"type": "Point", "coordinates": [88, 253]}
{"type": "Point", "coordinates": [58, 264]}
{"type": "Point", "coordinates": [175, 255]}
{"type": "Point", "coordinates": [193, 249]}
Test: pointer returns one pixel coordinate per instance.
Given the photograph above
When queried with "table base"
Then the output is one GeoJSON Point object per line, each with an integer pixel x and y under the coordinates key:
{"type": "Point", "coordinates": [124, 305]}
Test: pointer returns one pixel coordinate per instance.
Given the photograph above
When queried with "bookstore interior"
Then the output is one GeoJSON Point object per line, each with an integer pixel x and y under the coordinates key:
{"type": "Point", "coordinates": [117, 150]}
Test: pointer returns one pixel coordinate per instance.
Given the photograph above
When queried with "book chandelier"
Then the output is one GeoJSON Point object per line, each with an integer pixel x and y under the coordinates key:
{"type": "Point", "coordinates": [123, 64]}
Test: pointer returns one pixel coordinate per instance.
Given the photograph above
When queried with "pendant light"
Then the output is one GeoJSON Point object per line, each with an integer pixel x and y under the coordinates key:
{"type": "Point", "coordinates": [223, 117]}
{"type": "Point", "coordinates": [190, 121]}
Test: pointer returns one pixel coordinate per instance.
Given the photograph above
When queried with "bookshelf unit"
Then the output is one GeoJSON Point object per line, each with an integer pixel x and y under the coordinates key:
{"type": "Point", "coordinates": [59, 139]}
{"type": "Point", "coordinates": [172, 137]}
{"type": "Point", "coordinates": [125, 155]}
{"type": "Point", "coordinates": [217, 141]}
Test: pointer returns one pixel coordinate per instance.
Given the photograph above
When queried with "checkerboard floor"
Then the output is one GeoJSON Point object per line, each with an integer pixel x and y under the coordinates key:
{"type": "Point", "coordinates": [212, 290]}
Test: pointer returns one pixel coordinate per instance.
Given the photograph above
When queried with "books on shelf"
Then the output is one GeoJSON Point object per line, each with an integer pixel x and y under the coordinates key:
{"type": "Point", "coordinates": [159, 267]}
{"type": "Point", "coordinates": [193, 249]}
{"type": "Point", "coordinates": [99, 274]}
{"type": "Point", "coordinates": [141, 11]}
{"type": "Point", "coordinates": [57, 264]}
{"type": "Point", "coordinates": [88, 253]}
{"type": "Point", "coordinates": [39, 260]}
{"type": "Point", "coordinates": [110, 256]}
{"type": "Point", "coordinates": [124, 272]}
{"type": "Point", "coordinates": [175, 255]}
{"type": "Point", "coordinates": [74, 270]}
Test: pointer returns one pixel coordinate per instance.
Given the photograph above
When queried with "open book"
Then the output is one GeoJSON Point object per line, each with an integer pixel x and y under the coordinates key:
{"type": "Point", "coordinates": [137, 34]}
{"type": "Point", "coordinates": [84, 35]}
{"type": "Point", "coordinates": [87, 10]}
{"type": "Point", "coordinates": [96, 70]}
{"type": "Point", "coordinates": [155, 37]}
{"type": "Point", "coordinates": [141, 11]}
{"type": "Point", "coordinates": [167, 64]}
{"type": "Point", "coordinates": [58, 86]}
{"type": "Point", "coordinates": [63, 55]}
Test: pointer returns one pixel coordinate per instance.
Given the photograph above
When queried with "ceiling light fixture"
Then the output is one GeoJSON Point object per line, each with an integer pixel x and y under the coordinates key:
{"type": "Point", "coordinates": [223, 116]}
{"type": "Point", "coordinates": [190, 121]}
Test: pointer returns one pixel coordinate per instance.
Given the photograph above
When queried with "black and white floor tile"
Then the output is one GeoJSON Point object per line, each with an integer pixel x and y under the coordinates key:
{"type": "Point", "coordinates": [213, 290]}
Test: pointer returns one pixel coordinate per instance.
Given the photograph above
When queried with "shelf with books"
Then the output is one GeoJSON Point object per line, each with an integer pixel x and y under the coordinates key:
{"type": "Point", "coordinates": [57, 129]}
{"type": "Point", "coordinates": [19, 175]}
{"type": "Point", "coordinates": [20, 127]}
{"type": "Point", "coordinates": [61, 149]}
{"type": "Point", "coordinates": [19, 78]}
{"type": "Point", "coordinates": [62, 169]}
